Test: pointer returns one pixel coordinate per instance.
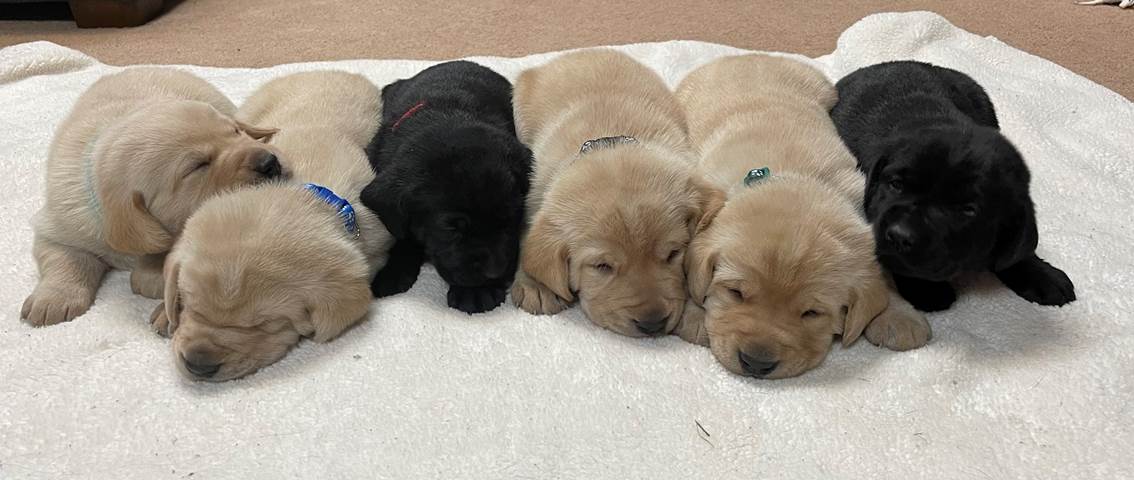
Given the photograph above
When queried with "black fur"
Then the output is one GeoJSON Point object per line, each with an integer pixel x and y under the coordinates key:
{"type": "Point", "coordinates": [450, 183]}
{"type": "Point", "coordinates": [946, 192]}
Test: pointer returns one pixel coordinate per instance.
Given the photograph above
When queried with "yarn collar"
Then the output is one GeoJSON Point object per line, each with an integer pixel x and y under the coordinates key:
{"type": "Point", "coordinates": [342, 207]}
{"type": "Point", "coordinates": [409, 113]}
{"type": "Point", "coordinates": [605, 142]}
{"type": "Point", "coordinates": [757, 175]}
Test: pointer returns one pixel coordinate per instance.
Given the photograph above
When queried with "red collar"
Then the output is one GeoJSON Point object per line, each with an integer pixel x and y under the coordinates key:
{"type": "Point", "coordinates": [409, 113]}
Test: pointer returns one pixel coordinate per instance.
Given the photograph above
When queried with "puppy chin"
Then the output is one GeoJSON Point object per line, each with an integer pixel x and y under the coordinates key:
{"type": "Point", "coordinates": [904, 265]}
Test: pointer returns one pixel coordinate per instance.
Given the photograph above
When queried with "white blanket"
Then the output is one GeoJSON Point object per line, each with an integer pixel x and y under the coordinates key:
{"type": "Point", "coordinates": [1006, 389]}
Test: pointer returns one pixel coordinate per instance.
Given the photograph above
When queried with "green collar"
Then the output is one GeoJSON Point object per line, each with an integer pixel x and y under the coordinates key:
{"type": "Point", "coordinates": [757, 175]}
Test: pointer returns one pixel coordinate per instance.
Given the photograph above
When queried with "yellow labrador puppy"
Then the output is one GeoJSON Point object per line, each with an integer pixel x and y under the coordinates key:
{"type": "Point", "coordinates": [257, 269]}
{"type": "Point", "coordinates": [140, 151]}
{"type": "Point", "coordinates": [789, 261]}
{"type": "Point", "coordinates": [614, 198]}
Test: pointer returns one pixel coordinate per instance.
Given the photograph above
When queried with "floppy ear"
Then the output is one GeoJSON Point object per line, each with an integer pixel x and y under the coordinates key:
{"type": "Point", "coordinates": [544, 258]}
{"type": "Point", "coordinates": [128, 225]}
{"type": "Point", "coordinates": [700, 264]}
{"type": "Point", "coordinates": [172, 296]}
{"type": "Point", "coordinates": [332, 313]}
{"type": "Point", "coordinates": [383, 198]}
{"type": "Point", "coordinates": [1016, 236]}
{"type": "Point", "coordinates": [261, 134]}
{"type": "Point", "coordinates": [867, 300]}
{"type": "Point", "coordinates": [874, 175]}
{"type": "Point", "coordinates": [710, 201]}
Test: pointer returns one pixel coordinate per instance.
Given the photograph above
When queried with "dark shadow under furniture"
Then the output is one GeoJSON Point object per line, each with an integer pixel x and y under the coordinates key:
{"type": "Point", "coordinates": [86, 13]}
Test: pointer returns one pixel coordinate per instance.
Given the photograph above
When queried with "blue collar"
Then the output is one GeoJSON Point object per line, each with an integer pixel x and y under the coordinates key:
{"type": "Point", "coordinates": [757, 175]}
{"type": "Point", "coordinates": [342, 206]}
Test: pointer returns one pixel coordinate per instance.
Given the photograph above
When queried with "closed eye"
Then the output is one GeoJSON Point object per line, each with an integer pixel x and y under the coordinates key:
{"type": "Point", "coordinates": [736, 294]}
{"type": "Point", "coordinates": [809, 314]}
{"type": "Point", "coordinates": [673, 255]}
{"type": "Point", "coordinates": [603, 268]}
{"type": "Point", "coordinates": [198, 167]}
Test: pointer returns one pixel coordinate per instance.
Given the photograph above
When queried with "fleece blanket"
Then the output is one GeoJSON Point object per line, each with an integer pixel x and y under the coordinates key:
{"type": "Point", "coordinates": [1006, 389]}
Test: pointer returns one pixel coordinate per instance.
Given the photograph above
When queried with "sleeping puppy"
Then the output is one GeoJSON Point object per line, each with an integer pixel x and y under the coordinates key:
{"type": "Point", "coordinates": [788, 262]}
{"type": "Point", "coordinates": [257, 269]}
{"type": "Point", "coordinates": [614, 198]}
{"type": "Point", "coordinates": [946, 192]}
{"type": "Point", "coordinates": [139, 152]}
{"type": "Point", "coordinates": [450, 183]}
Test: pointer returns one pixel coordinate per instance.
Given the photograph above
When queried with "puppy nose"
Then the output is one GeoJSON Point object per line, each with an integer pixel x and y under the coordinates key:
{"type": "Point", "coordinates": [758, 364]}
{"type": "Point", "coordinates": [199, 366]}
{"type": "Point", "coordinates": [268, 166]}
{"type": "Point", "coordinates": [652, 323]}
{"type": "Point", "coordinates": [900, 236]}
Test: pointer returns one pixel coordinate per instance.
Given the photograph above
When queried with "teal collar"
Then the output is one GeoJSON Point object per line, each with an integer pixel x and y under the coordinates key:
{"type": "Point", "coordinates": [757, 175]}
{"type": "Point", "coordinates": [342, 206]}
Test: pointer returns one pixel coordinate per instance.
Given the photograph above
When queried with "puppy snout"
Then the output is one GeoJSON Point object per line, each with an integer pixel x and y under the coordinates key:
{"type": "Point", "coordinates": [901, 237]}
{"type": "Point", "coordinates": [268, 166]}
{"type": "Point", "coordinates": [652, 323]}
{"type": "Point", "coordinates": [200, 364]}
{"type": "Point", "coordinates": [758, 363]}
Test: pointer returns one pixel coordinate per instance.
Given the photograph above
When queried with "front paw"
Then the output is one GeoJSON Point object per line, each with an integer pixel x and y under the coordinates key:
{"type": "Point", "coordinates": [159, 322]}
{"type": "Point", "coordinates": [925, 295]}
{"type": "Point", "coordinates": [147, 283]}
{"type": "Point", "coordinates": [391, 281]}
{"type": "Point", "coordinates": [1038, 282]}
{"type": "Point", "coordinates": [532, 297]}
{"type": "Point", "coordinates": [475, 299]}
{"type": "Point", "coordinates": [899, 327]}
{"type": "Point", "coordinates": [49, 305]}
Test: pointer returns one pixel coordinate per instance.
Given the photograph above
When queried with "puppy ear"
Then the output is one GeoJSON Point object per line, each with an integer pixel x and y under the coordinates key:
{"type": "Point", "coordinates": [1016, 235]}
{"type": "Point", "coordinates": [867, 300]}
{"type": "Point", "coordinates": [544, 257]}
{"type": "Point", "coordinates": [710, 201]}
{"type": "Point", "coordinates": [874, 175]}
{"type": "Point", "coordinates": [172, 296]}
{"type": "Point", "coordinates": [383, 198]}
{"type": "Point", "coordinates": [128, 225]}
{"type": "Point", "coordinates": [332, 313]}
{"type": "Point", "coordinates": [259, 133]}
{"type": "Point", "coordinates": [700, 265]}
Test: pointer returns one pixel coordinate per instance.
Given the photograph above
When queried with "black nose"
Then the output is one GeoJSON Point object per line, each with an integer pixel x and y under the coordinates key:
{"type": "Point", "coordinates": [199, 366]}
{"type": "Point", "coordinates": [900, 236]}
{"type": "Point", "coordinates": [759, 364]}
{"type": "Point", "coordinates": [652, 323]}
{"type": "Point", "coordinates": [269, 166]}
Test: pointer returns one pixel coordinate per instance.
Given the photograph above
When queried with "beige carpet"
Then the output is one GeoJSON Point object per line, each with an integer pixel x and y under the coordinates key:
{"type": "Point", "coordinates": [1092, 41]}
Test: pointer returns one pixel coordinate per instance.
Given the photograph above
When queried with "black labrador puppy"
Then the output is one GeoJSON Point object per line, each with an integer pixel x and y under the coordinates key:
{"type": "Point", "coordinates": [946, 192]}
{"type": "Point", "coordinates": [451, 178]}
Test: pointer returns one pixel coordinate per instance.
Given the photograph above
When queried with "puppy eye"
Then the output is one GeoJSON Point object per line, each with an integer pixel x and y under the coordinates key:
{"type": "Point", "coordinates": [896, 185]}
{"type": "Point", "coordinates": [672, 256]}
{"type": "Point", "coordinates": [603, 268]}
{"type": "Point", "coordinates": [809, 314]}
{"type": "Point", "coordinates": [969, 210]}
{"type": "Point", "coordinates": [736, 294]}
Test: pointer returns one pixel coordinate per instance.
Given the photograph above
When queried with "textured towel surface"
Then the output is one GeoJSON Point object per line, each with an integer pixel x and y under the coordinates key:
{"type": "Point", "coordinates": [1006, 389]}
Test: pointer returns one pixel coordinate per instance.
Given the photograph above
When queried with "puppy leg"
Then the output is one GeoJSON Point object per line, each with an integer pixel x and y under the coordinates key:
{"type": "Point", "coordinates": [68, 281]}
{"type": "Point", "coordinates": [1038, 282]}
{"type": "Point", "coordinates": [401, 269]}
{"type": "Point", "coordinates": [691, 328]}
{"type": "Point", "coordinates": [476, 299]}
{"type": "Point", "coordinates": [159, 323]}
{"type": "Point", "coordinates": [533, 297]}
{"type": "Point", "coordinates": [146, 278]}
{"type": "Point", "coordinates": [899, 327]}
{"type": "Point", "coordinates": [926, 295]}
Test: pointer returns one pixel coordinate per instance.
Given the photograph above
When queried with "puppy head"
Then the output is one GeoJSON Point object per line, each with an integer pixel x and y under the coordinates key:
{"type": "Point", "coordinates": [158, 164]}
{"type": "Point", "coordinates": [253, 272]}
{"type": "Point", "coordinates": [779, 272]}
{"type": "Point", "coordinates": [613, 231]}
{"type": "Point", "coordinates": [460, 193]}
{"type": "Point", "coordinates": [945, 201]}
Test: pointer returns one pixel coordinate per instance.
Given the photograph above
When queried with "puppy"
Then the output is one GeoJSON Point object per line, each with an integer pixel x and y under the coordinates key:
{"type": "Point", "coordinates": [946, 192]}
{"type": "Point", "coordinates": [788, 262]}
{"type": "Point", "coordinates": [450, 184]}
{"type": "Point", "coordinates": [614, 198]}
{"type": "Point", "coordinates": [257, 269]}
{"type": "Point", "coordinates": [139, 152]}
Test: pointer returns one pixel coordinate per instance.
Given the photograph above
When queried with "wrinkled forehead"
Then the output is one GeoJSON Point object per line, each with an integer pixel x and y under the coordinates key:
{"type": "Point", "coordinates": [635, 229]}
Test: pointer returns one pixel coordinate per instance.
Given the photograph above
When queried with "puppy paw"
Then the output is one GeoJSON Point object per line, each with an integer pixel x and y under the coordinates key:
{"type": "Point", "coordinates": [159, 323]}
{"type": "Point", "coordinates": [534, 298]}
{"type": "Point", "coordinates": [691, 328]}
{"type": "Point", "coordinates": [392, 282]}
{"type": "Point", "coordinates": [1038, 282]}
{"type": "Point", "coordinates": [49, 305]}
{"type": "Point", "coordinates": [925, 295]}
{"type": "Point", "coordinates": [475, 299]}
{"type": "Point", "coordinates": [147, 283]}
{"type": "Point", "coordinates": [899, 327]}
